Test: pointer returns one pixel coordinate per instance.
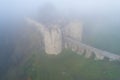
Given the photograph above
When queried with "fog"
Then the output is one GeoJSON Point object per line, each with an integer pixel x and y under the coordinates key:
{"type": "Point", "coordinates": [100, 19]}
{"type": "Point", "coordinates": [15, 8]}
{"type": "Point", "coordinates": [84, 9]}
{"type": "Point", "coordinates": [98, 15]}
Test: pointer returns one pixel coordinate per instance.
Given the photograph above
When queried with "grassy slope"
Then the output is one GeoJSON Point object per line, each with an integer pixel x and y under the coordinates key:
{"type": "Point", "coordinates": [65, 66]}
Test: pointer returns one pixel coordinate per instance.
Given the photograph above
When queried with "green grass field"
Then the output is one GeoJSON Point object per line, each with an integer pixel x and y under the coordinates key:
{"type": "Point", "coordinates": [65, 66]}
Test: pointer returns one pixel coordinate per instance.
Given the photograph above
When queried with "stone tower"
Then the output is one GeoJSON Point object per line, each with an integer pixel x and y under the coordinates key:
{"type": "Point", "coordinates": [53, 40]}
{"type": "Point", "coordinates": [52, 37]}
{"type": "Point", "coordinates": [74, 30]}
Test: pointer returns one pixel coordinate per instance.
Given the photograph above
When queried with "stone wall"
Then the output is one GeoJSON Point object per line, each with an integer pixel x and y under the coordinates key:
{"type": "Point", "coordinates": [71, 36]}
{"type": "Point", "coordinates": [88, 51]}
{"type": "Point", "coordinates": [74, 30]}
{"type": "Point", "coordinates": [52, 37]}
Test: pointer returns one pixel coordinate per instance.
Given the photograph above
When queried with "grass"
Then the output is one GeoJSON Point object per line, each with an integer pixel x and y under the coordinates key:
{"type": "Point", "coordinates": [65, 66]}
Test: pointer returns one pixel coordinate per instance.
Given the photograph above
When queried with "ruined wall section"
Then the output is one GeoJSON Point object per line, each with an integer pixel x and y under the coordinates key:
{"type": "Point", "coordinates": [72, 35]}
{"type": "Point", "coordinates": [74, 30]}
{"type": "Point", "coordinates": [53, 40]}
{"type": "Point", "coordinates": [52, 37]}
{"type": "Point", "coordinates": [89, 51]}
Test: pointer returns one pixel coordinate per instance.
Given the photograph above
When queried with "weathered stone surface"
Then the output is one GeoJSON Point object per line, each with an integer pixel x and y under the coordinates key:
{"type": "Point", "coordinates": [52, 38]}
{"type": "Point", "coordinates": [72, 33]}
{"type": "Point", "coordinates": [55, 39]}
{"type": "Point", "coordinates": [88, 53]}
{"type": "Point", "coordinates": [74, 30]}
{"type": "Point", "coordinates": [99, 54]}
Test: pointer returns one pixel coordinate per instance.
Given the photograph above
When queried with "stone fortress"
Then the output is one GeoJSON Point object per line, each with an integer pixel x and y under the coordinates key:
{"type": "Point", "coordinates": [56, 38]}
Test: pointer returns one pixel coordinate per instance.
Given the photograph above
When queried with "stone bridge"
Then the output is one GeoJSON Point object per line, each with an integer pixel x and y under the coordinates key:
{"type": "Point", "coordinates": [89, 51]}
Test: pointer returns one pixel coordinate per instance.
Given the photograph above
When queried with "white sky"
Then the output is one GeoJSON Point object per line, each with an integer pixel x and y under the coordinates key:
{"type": "Point", "coordinates": [78, 6]}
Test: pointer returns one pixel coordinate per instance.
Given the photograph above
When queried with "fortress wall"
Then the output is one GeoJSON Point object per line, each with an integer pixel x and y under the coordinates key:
{"type": "Point", "coordinates": [81, 48]}
{"type": "Point", "coordinates": [111, 56]}
{"type": "Point", "coordinates": [53, 40]}
{"type": "Point", "coordinates": [74, 30]}
{"type": "Point", "coordinates": [88, 53]}
{"type": "Point", "coordinates": [98, 55]}
{"type": "Point", "coordinates": [73, 47]}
